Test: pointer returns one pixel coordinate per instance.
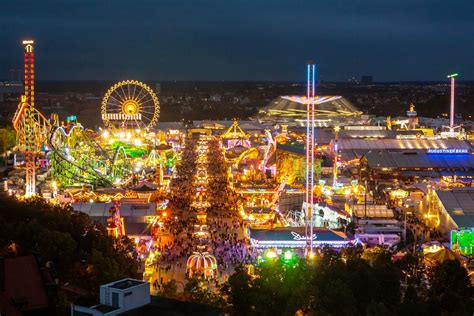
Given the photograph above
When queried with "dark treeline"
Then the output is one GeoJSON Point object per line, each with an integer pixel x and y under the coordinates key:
{"type": "Point", "coordinates": [351, 282]}
{"type": "Point", "coordinates": [68, 247]}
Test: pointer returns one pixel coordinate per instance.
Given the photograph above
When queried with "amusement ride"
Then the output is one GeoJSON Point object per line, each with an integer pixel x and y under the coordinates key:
{"type": "Point", "coordinates": [126, 149]}
{"type": "Point", "coordinates": [130, 104]}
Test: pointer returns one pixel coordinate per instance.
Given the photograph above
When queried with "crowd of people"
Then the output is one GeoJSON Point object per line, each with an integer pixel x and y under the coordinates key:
{"type": "Point", "coordinates": [230, 249]}
{"type": "Point", "coordinates": [182, 186]}
{"type": "Point", "coordinates": [225, 238]}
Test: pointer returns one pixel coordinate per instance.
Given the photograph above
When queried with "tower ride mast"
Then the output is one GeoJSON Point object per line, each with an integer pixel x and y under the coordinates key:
{"type": "Point", "coordinates": [310, 91]}
{"type": "Point", "coordinates": [30, 124]}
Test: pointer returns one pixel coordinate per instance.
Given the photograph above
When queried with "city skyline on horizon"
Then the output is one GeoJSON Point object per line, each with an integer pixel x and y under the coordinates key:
{"type": "Point", "coordinates": [244, 41]}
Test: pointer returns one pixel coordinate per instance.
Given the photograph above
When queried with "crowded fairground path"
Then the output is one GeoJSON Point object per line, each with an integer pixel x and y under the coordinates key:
{"type": "Point", "coordinates": [202, 233]}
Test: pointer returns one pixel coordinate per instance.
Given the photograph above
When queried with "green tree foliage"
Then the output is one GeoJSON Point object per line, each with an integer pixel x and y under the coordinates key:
{"type": "Point", "coordinates": [348, 282]}
{"type": "Point", "coordinates": [449, 289]}
{"type": "Point", "coordinates": [239, 292]}
{"type": "Point", "coordinates": [7, 139]}
{"type": "Point", "coordinates": [170, 289]}
{"type": "Point", "coordinates": [80, 250]}
{"type": "Point", "coordinates": [197, 290]}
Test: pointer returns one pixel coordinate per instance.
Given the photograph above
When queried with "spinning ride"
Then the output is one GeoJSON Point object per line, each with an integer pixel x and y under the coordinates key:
{"type": "Point", "coordinates": [202, 263]}
{"type": "Point", "coordinates": [130, 104]}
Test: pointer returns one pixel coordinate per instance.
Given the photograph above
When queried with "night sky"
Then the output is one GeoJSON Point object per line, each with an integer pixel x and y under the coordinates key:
{"type": "Point", "coordinates": [240, 40]}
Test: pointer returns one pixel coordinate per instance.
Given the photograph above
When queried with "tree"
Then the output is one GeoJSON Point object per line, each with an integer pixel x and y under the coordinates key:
{"type": "Point", "coordinates": [7, 139]}
{"type": "Point", "coordinates": [413, 304]}
{"type": "Point", "coordinates": [195, 290]}
{"type": "Point", "coordinates": [170, 289]}
{"type": "Point", "coordinates": [239, 293]}
{"type": "Point", "coordinates": [450, 288]}
{"type": "Point", "coordinates": [378, 309]}
{"type": "Point", "coordinates": [411, 267]}
{"type": "Point", "coordinates": [279, 287]}
{"type": "Point", "coordinates": [348, 282]}
{"type": "Point", "coordinates": [334, 297]}
{"type": "Point", "coordinates": [58, 246]}
{"type": "Point", "coordinates": [358, 274]}
{"type": "Point", "coordinates": [80, 250]}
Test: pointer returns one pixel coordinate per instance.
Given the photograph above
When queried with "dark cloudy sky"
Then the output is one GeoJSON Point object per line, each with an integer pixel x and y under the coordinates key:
{"type": "Point", "coordinates": [240, 39]}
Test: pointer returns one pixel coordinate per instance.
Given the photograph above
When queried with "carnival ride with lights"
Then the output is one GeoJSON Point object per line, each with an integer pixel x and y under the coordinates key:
{"type": "Point", "coordinates": [130, 104]}
{"type": "Point", "coordinates": [202, 263]}
{"type": "Point", "coordinates": [30, 125]}
{"type": "Point", "coordinates": [77, 158]}
{"type": "Point", "coordinates": [115, 224]}
{"type": "Point", "coordinates": [293, 109]}
{"type": "Point", "coordinates": [124, 150]}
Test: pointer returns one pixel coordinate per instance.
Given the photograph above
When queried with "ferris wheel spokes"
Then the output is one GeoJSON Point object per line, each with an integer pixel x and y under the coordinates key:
{"type": "Point", "coordinates": [130, 104]}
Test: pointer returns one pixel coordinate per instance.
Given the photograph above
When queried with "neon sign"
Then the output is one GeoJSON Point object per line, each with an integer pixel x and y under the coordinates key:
{"type": "Point", "coordinates": [297, 236]}
{"type": "Point", "coordinates": [448, 151]}
{"type": "Point", "coordinates": [297, 243]}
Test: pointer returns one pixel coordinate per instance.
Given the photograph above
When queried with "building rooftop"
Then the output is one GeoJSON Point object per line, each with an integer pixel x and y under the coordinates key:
{"type": "Point", "coordinates": [401, 144]}
{"type": "Point", "coordinates": [104, 308]}
{"type": "Point", "coordinates": [386, 159]}
{"type": "Point", "coordinates": [170, 307]}
{"type": "Point", "coordinates": [169, 125]}
{"type": "Point", "coordinates": [23, 284]}
{"type": "Point", "coordinates": [295, 149]}
{"type": "Point", "coordinates": [100, 209]}
{"type": "Point", "coordinates": [459, 203]}
{"type": "Point", "coordinates": [296, 233]}
{"type": "Point", "coordinates": [125, 284]}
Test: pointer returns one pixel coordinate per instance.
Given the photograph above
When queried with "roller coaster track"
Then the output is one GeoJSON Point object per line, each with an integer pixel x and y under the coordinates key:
{"type": "Point", "coordinates": [78, 159]}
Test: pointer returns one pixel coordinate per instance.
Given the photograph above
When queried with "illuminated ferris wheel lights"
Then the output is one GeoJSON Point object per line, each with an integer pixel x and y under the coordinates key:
{"type": "Point", "coordinates": [130, 104]}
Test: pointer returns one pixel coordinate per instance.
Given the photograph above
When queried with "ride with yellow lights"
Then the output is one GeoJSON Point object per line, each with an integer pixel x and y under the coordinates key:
{"type": "Point", "coordinates": [126, 149]}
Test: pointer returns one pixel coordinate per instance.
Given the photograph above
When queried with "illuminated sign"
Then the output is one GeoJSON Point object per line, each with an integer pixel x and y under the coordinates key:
{"type": "Point", "coordinates": [448, 151]}
{"type": "Point", "coordinates": [297, 236]}
{"type": "Point", "coordinates": [463, 241]}
{"type": "Point", "coordinates": [296, 243]}
{"type": "Point", "coordinates": [121, 116]}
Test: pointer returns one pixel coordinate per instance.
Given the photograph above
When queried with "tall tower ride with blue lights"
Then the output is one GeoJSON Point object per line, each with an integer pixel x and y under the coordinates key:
{"type": "Point", "coordinates": [310, 94]}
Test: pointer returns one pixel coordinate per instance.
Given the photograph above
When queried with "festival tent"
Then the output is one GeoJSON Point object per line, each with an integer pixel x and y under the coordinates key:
{"type": "Point", "coordinates": [443, 255]}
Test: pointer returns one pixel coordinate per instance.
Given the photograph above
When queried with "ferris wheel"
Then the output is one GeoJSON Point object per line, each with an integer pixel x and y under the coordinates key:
{"type": "Point", "coordinates": [130, 104]}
